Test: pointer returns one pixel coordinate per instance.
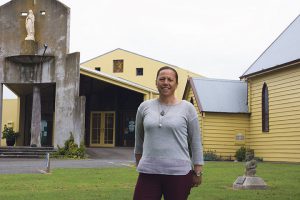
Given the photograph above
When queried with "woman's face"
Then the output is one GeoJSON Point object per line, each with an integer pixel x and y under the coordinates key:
{"type": "Point", "coordinates": [166, 82]}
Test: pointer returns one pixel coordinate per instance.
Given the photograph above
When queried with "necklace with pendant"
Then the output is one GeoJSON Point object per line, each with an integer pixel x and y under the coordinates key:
{"type": "Point", "coordinates": [162, 112]}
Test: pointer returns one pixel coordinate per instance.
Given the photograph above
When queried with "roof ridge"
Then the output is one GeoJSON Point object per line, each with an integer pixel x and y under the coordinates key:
{"type": "Point", "coordinates": [171, 65]}
{"type": "Point", "coordinates": [285, 31]}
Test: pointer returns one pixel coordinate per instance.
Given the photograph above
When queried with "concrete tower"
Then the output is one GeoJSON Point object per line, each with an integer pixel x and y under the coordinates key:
{"type": "Point", "coordinates": [36, 65]}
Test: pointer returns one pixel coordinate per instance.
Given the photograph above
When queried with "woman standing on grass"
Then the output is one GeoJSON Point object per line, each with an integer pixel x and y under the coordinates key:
{"type": "Point", "coordinates": [165, 129]}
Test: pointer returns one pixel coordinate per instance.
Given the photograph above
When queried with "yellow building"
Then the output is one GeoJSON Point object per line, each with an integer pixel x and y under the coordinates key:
{"type": "Point", "coordinates": [274, 98]}
{"type": "Point", "coordinates": [265, 114]}
{"type": "Point", "coordinates": [135, 68]}
{"type": "Point", "coordinates": [223, 113]}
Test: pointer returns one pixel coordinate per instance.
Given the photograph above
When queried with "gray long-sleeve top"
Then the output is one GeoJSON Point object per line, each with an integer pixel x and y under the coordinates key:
{"type": "Point", "coordinates": [163, 139]}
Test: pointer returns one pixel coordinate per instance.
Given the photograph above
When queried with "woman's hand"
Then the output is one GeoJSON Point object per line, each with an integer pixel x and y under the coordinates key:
{"type": "Point", "coordinates": [197, 180]}
{"type": "Point", "coordinates": [197, 175]}
{"type": "Point", "coordinates": [137, 159]}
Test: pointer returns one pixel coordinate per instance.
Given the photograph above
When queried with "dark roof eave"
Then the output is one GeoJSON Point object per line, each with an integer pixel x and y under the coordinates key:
{"type": "Point", "coordinates": [271, 68]}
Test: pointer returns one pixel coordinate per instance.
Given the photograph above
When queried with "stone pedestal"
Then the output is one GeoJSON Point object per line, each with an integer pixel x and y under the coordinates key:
{"type": "Point", "coordinates": [250, 182]}
{"type": "Point", "coordinates": [36, 118]}
{"type": "Point", "coordinates": [29, 47]}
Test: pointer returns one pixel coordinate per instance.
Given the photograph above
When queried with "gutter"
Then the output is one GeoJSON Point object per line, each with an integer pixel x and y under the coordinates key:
{"type": "Point", "coordinates": [277, 67]}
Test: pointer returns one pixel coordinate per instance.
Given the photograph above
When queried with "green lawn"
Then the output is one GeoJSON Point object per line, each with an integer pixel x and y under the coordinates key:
{"type": "Point", "coordinates": [118, 183]}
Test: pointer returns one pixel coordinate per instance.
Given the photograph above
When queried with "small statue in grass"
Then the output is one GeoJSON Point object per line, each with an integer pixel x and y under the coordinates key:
{"type": "Point", "coordinates": [250, 180]}
{"type": "Point", "coordinates": [250, 163]}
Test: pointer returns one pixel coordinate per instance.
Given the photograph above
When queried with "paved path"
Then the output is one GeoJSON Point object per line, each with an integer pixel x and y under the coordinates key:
{"type": "Point", "coordinates": [114, 157]}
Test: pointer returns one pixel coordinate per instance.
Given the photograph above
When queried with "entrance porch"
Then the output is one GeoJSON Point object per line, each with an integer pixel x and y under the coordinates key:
{"type": "Point", "coordinates": [110, 113]}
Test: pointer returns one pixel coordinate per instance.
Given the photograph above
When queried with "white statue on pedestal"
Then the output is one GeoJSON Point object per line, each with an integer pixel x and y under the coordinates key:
{"type": "Point", "coordinates": [29, 23]}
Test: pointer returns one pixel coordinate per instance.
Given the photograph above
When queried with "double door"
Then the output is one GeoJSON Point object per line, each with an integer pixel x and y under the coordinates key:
{"type": "Point", "coordinates": [102, 131]}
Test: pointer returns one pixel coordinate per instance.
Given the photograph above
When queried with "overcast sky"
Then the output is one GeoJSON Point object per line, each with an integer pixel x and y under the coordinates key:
{"type": "Point", "coordinates": [215, 38]}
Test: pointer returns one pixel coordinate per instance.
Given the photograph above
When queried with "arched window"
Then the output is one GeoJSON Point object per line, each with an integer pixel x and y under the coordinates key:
{"type": "Point", "coordinates": [265, 108]}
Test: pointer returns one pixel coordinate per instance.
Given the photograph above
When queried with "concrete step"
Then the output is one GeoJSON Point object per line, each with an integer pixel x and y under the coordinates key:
{"type": "Point", "coordinates": [32, 149]}
{"type": "Point", "coordinates": [25, 148]}
{"type": "Point", "coordinates": [25, 152]}
{"type": "Point", "coordinates": [21, 156]}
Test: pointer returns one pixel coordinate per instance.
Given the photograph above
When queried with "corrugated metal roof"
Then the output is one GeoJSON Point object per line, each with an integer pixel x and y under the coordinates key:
{"type": "Point", "coordinates": [284, 49]}
{"type": "Point", "coordinates": [218, 95]}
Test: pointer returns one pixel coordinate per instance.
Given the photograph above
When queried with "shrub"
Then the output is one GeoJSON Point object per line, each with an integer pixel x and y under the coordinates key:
{"type": "Point", "coordinates": [240, 154]}
{"type": "Point", "coordinates": [210, 155]}
{"type": "Point", "coordinates": [70, 150]}
{"type": "Point", "coordinates": [245, 154]}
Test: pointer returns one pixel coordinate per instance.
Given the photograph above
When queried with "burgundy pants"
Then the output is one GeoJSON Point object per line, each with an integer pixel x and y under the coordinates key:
{"type": "Point", "coordinates": [172, 187]}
